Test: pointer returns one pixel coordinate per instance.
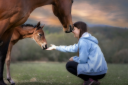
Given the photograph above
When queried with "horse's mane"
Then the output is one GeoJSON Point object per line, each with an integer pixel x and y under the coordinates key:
{"type": "Point", "coordinates": [28, 25]}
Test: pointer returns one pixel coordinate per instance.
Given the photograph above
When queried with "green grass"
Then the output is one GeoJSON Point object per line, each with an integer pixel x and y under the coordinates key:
{"type": "Point", "coordinates": [40, 73]}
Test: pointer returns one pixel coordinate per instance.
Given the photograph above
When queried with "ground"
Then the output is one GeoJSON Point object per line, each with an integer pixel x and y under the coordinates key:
{"type": "Point", "coordinates": [54, 73]}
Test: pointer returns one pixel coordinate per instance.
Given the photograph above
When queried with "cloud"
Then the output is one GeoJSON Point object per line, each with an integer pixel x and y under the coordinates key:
{"type": "Point", "coordinates": [112, 12]}
{"type": "Point", "coordinates": [107, 12]}
{"type": "Point", "coordinates": [45, 16]}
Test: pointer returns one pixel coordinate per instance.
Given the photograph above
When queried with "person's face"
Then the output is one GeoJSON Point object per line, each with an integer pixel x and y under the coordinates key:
{"type": "Point", "coordinates": [76, 32]}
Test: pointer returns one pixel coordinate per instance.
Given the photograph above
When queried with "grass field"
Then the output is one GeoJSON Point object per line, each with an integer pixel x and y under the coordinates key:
{"type": "Point", "coordinates": [41, 73]}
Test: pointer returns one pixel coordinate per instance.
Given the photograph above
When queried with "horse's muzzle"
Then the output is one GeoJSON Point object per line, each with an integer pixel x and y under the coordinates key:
{"type": "Point", "coordinates": [44, 47]}
{"type": "Point", "coordinates": [71, 28]}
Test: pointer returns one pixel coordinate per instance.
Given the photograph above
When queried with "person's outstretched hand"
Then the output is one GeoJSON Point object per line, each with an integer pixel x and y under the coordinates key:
{"type": "Point", "coordinates": [53, 47]}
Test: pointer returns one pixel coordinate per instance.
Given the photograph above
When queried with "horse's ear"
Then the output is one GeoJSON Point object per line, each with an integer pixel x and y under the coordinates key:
{"type": "Point", "coordinates": [38, 24]}
{"type": "Point", "coordinates": [43, 26]}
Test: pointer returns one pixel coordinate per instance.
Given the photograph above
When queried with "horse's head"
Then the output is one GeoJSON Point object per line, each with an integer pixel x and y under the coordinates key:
{"type": "Point", "coordinates": [39, 37]}
{"type": "Point", "coordinates": [62, 9]}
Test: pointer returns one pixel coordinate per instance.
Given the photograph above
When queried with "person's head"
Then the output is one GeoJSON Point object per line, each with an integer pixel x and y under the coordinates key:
{"type": "Point", "coordinates": [79, 28]}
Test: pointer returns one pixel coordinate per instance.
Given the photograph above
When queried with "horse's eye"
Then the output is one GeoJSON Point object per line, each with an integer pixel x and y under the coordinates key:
{"type": "Point", "coordinates": [40, 34]}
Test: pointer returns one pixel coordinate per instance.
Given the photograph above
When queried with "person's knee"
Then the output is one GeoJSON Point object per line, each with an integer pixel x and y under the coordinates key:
{"type": "Point", "coordinates": [68, 65]}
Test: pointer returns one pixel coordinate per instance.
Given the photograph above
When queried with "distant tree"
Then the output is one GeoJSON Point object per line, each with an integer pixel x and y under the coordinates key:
{"type": "Point", "coordinates": [121, 56]}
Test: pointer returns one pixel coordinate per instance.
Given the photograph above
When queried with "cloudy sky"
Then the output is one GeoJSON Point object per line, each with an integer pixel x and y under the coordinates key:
{"type": "Point", "coordinates": [103, 12]}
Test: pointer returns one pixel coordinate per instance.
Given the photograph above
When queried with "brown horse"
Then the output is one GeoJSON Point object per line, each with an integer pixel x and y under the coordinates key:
{"type": "Point", "coordinates": [21, 32]}
{"type": "Point", "coordinates": [14, 13]}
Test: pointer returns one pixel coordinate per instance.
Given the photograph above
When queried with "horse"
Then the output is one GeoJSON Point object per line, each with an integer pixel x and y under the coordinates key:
{"type": "Point", "coordinates": [21, 32]}
{"type": "Point", "coordinates": [14, 13]}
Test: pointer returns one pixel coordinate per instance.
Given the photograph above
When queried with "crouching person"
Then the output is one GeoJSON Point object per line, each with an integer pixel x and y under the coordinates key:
{"type": "Point", "coordinates": [90, 65]}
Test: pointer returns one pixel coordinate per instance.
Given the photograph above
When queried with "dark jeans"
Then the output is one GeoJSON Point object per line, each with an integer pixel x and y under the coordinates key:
{"type": "Point", "coordinates": [71, 66]}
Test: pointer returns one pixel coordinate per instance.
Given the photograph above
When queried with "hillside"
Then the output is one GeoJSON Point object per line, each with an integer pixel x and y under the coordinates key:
{"type": "Point", "coordinates": [112, 40]}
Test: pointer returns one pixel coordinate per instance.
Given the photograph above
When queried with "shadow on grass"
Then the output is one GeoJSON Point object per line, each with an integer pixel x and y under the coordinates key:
{"type": "Point", "coordinates": [39, 83]}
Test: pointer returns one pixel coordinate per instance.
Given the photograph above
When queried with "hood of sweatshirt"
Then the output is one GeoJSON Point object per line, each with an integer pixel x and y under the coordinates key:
{"type": "Point", "coordinates": [88, 36]}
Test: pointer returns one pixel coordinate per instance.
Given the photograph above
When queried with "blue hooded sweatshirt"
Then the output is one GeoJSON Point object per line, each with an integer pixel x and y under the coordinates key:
{"type": "Point", "coordinates": [91, 60]}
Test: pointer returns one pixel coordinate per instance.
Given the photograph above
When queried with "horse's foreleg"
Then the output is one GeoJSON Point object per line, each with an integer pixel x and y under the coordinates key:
{"type": "Point", "coordinates": [8, 60]}
{"type": "Point", "coordinates": [3, 51]}
{"type": "Point", "coordinates": [2, 59]}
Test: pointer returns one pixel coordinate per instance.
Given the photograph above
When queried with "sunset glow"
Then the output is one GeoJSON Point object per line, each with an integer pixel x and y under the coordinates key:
{"type": "Point", "coordinates": [102, 12]}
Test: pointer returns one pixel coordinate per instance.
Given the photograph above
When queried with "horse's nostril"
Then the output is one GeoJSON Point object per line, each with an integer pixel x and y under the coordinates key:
{"type": "Point", "coordinates": [45, 46]}
{"type": "Point", "coordinates": [70, 29]}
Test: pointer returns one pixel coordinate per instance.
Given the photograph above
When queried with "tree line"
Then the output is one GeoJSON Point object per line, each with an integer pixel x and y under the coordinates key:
{"type": "Point", "coordinates": [112, 40]}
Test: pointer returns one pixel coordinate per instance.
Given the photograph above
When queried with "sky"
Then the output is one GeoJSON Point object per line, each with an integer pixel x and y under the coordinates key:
{"type": "Point", "coordinates": [93, 12]}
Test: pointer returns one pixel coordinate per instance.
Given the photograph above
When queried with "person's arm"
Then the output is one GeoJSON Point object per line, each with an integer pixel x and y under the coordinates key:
{"type": "Point", "coordinates": [83, 53]}
{"type": "Point", "coordinates": [71, 48]}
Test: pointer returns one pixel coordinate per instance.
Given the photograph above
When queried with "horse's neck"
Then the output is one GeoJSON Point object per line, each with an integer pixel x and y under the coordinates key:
{"type": "Point", "coordinates": [37, 3]}
{"type": "Point", "coordinates": [25, 32]}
